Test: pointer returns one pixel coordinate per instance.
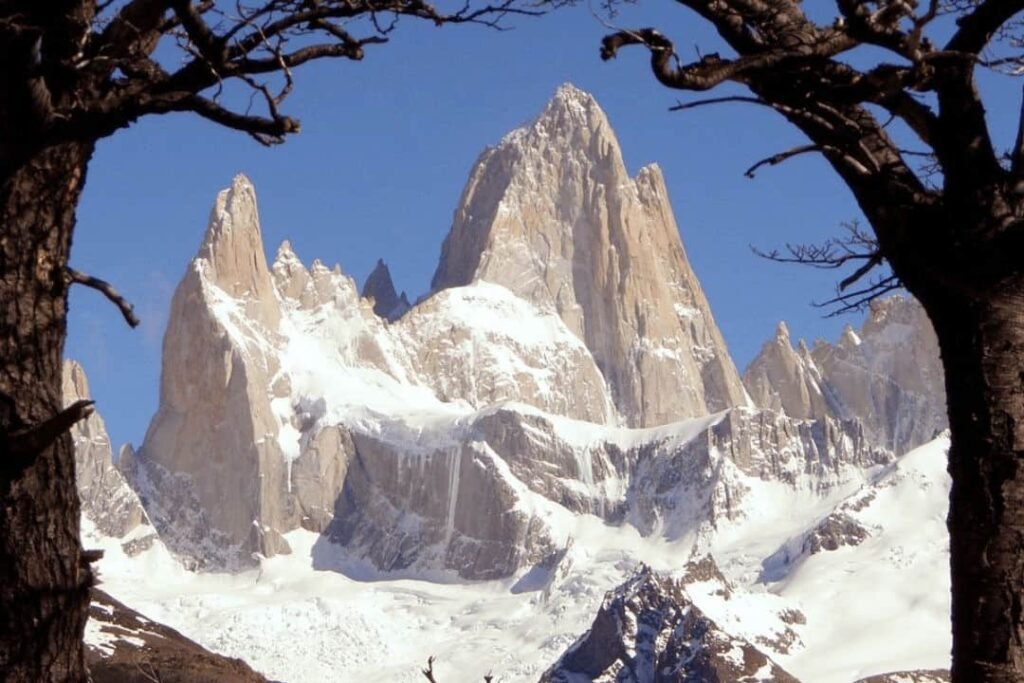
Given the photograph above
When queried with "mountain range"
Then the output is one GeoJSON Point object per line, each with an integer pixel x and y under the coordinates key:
{"type": "Point", "coordinates": [557, 427]}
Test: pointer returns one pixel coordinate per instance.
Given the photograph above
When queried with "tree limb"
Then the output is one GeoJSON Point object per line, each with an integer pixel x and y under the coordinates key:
{"type": "Point", "coordinates": [978, 28]}
{"type": "Point", "coordinates": [105, 288]}
{"type": "Point", "coordinates": [776, 159]}
{"type": "Point", "coordinates": [682, 106]}
{"type": "Point", "coordinates": [1017, 154]}
{"type": "Point", "coordinates": [20, 447]}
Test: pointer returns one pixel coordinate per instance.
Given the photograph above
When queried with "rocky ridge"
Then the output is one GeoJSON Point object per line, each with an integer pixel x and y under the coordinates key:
{"type": "Point", "coordinates": [888, 375]}
{"type": "Point", "coordinates": [648, 630]}
{"type": "Point", "coordinates": [123, 646]}
{"type": "Point", "coordinates": [386, 301]}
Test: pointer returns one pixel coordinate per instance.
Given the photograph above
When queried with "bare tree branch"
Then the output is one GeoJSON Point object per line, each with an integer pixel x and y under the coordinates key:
{"type": "Point", "coordinates": [853, 302]}
{"type": "Point", "coordinates": [107, 290]}
{"type": "Point", "coordinates": [1017, 154]}
{"type": "Point", "coordinates": [978, 28]}
{"type": "Point", "coordinates": [682, 106]}
{"type": "Point", "coordinates": [776, 159]}
{"type": "Point", "coordinates": [19, 448]}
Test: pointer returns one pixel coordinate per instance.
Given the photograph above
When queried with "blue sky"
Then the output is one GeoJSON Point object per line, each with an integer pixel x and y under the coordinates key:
{"type": "Point", "coordinates": [386, 147]}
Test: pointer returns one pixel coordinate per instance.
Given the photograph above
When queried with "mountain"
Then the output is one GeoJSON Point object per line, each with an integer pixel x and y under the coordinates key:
{"type": "Point", "coordinates": [428, 442]}
{"type": "Point", "coordinates": [888, 376]}
{"type": "Point", "coordinates": [110, 508]}
{"type": "Point", "coordinates": [491, 462]}
{"type": "Point", "coordinates": [649, 630]}
{"type": "Point", "coordinates": [551, 214]}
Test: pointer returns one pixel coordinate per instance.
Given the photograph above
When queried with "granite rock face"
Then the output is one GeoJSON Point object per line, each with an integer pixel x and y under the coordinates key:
{"type": "Point", "coordinates": [108, 503]}
{"type": "Point", "coordinates": [649, 631]}
{"type": "Point", "coordinates": [211, 469]}
{"type": "Point", "coordinates": [888, 375]}
{"type": "Point", "coordinates": [552, 215]}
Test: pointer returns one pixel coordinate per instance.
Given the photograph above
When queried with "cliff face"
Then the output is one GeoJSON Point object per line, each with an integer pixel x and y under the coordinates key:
{"type": "Point", "coordinates": [552, 215]}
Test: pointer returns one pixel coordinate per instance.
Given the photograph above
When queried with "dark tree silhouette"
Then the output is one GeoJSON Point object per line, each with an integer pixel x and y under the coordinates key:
{"type": "Point", "coordinates": [952, 233]}
{"type": "Point", "coordinates": [71, 73]}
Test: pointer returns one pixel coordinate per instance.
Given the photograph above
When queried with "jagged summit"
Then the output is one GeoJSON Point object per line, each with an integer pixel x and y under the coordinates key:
{"type": "Point", "coordinates": [552, 214]}
{"type": "Point", "coordinates": [893, 360]}
{"type": "Point", "coordinates": [231, 255]}
{"type": "Point", "coordinates": [387, 303]}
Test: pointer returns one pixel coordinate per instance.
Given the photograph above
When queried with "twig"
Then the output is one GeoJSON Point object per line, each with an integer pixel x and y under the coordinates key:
{"type": "Point", "coordinates": [105, 288]}
{"type": "Point", "coordinates": [429, 671]}
{"type": "Point", "coordinates": [875, 260]}
{"type": "Point", "coordinates": [682, 106]}
{"type": "Point", "coordinates": [776, 159]}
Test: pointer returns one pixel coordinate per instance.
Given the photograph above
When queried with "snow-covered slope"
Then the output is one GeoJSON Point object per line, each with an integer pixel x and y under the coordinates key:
{"type": "Point", "coordinates": [832, 617]}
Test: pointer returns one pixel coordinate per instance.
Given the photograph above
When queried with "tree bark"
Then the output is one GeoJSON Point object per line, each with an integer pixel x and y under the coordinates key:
{"type": "Point", "coordinates": [982, 343]}
{"type": "Point", "coordinates": [44, 582]}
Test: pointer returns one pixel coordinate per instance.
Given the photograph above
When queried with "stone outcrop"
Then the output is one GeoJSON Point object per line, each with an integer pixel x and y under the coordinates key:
{"type": "Point", "coordinates": [456, 495]}
{"type": "Point", "coordinates": [705, 481]}
{"type": "Point", "coordinates": [888, 375]}
{"type": "Point", "coordinates": [914, 676]}
{"type": "Point", "coordinates": [451, 508]}
{"type": "Point", "coordinates": [552, 214]}
{"type": "Point", "coordinates": [108, 502]}
{"type": "Point", "coordinates": [649, 631]}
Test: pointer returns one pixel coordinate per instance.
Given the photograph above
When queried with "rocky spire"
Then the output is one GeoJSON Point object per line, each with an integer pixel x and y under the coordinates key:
{"type": "Point", "coordinates": [783, 379]}
{"type": "Point", "coordinates": [552, 214]}
{"type": "Point", "coordinates": [108, 503]}
{"type": "Point", "coordinates": [379, 287]}
{"type": "Point", "coordinates": [232, 254]}
{"type": "Point", "coordinates": [215, 431]}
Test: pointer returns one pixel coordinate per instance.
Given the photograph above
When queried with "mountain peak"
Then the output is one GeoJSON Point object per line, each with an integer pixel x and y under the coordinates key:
{"type": "Point", "coordinates": [379, 287]}
{"type": "Point", "coordinates": [232, 248]}
{"type": "Point", "coordinates": [552, 214]}
{"type": "Point", "coordinates": [571, 122]}
{"type": "Point", "coordinates": [233, 210]}
{"type": "Point", "coordinates": [570, 98]}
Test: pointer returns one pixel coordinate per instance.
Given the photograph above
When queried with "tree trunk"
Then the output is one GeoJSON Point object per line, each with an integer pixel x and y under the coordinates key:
{"type": "Point", "coordinates": [982, 342]}
{"type": "Point", "coordinates": [44, 582]}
